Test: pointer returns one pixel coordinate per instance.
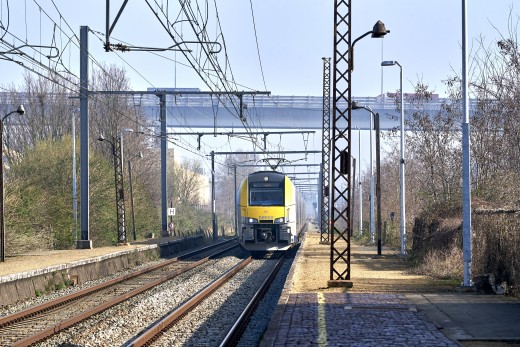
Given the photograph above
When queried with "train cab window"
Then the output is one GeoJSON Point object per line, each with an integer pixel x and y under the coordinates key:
{"type": "Point", "coordinates": [266, 197]}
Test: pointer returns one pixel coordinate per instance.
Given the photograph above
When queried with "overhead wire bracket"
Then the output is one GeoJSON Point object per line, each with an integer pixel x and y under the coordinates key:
{"type": "Point", "coordinates": [16, 50]}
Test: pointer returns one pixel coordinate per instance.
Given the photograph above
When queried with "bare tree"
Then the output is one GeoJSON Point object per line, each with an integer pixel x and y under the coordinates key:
{"type": "Point", "coordinates": [48, 116]}
{"type": "Point", "coordinates": [495, 126]}
{"type": "Point", "coordinates": [187, 183]}
{"type": "Point", "coordinates": [434, 144]}
{"type": "Point", "coordinates": [225, 181]}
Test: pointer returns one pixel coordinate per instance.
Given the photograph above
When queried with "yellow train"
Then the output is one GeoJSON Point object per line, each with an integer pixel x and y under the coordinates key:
{"type": "Point", "coordinates": [270, 212]}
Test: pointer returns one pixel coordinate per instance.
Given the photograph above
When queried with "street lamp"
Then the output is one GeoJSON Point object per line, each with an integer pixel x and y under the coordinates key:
{"type": "Point", "coordinates": [20, 110]}
{"type": "Point", "coordinates": [355, 106]}
{"type": "Point", "coordinates": [378, 31]}
{"type": "Point", "coordinates": [140, 155]}
{"type": "Point", "coordinates": [401, 161]}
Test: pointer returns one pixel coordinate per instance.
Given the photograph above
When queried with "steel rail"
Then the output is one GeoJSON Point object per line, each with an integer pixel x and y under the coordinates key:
{"type": "Point", "coordinates": [240, 325]}
{"type": "Point", "coordinates": [32, 311]}
{"type": "Point", "coordinates": [154, 331]}
{"type": "Point", "coordinates": [53, 329]}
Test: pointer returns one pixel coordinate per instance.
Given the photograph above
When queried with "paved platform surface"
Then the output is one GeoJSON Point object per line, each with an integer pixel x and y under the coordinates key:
{"type": "Point", "coordinates": [472, 319]}
{"type": "Point", "coordinates": [344, 319]}
{"type": "Point", "coordinates": [39, 260]}
{"type": "Point", "coordinates": [384, 308]}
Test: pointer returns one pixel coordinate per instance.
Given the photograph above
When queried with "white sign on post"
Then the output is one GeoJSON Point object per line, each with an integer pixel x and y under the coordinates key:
{"type": "Point", "coordinates": [171, 211]}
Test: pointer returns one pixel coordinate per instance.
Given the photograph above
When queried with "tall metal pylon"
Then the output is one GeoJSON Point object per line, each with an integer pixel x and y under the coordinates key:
{"type": "Point", "coordinates": [325, 155]}
{"type": "Point", "coordinates": [120, 192]}
{"type": "Point", "coordinates": [341, 177]}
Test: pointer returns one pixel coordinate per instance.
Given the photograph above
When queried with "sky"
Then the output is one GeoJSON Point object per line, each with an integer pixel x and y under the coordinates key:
{"type": "Point", "coordinates": [273, 45]}
{"type": "Point", "coordinates": [292, 36]}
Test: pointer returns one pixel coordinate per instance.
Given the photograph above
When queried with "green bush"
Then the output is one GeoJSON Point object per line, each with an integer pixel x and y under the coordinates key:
{"type": "Point", "coordinates": [39, 211]}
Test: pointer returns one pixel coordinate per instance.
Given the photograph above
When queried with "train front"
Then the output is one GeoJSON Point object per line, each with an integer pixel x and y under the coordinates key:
{"type": "Point", "coordinates": [267, 212]}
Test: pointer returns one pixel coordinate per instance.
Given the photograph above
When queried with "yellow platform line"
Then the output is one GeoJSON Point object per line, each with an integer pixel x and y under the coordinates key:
{"type": "Point", "coordinates": [322, 325]}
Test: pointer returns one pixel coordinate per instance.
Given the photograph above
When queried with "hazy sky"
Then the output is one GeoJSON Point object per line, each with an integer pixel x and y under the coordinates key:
{"type": "Point", "coordinates": [292, 36]}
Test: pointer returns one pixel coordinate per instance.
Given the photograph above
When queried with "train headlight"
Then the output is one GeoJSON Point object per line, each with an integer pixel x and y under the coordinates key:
{"type": "Point", "coordinates": [249, 220]}
{"type": "Point", "coordinates": [279, 220]}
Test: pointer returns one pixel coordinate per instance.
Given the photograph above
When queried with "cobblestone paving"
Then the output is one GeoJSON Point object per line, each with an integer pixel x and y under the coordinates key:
{"type": "Point", "coordinates": [352, 319]}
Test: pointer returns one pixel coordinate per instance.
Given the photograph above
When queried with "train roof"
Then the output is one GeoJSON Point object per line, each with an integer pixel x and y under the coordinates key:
{"type": "Point", "coordinates": [259, 176]}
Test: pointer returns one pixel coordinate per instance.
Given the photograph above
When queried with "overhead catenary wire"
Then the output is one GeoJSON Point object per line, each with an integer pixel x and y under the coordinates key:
{"type": "Point", "coordinates": [223, 74]}
{"type": "Point", "coordinates": [1, 23]}
{"type": "Point", "coordinates": [214, 63]}
{"type": "Point", "coordinates": [200, 31]}
{"type": "Point", "coordinates": [257, 46]}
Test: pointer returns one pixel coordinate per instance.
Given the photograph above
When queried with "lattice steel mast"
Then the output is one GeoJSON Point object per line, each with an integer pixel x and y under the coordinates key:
{"type": "Point", "coordinates": [340, 192]}
{"type": "Point", "coordinates": [120, 192]}
{"type": "Point", "coordinates": [325, 156]}
{"type": "Point", "coordinates": [341, 147]}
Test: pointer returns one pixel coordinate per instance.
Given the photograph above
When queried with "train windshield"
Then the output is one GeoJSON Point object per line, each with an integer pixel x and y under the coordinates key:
{"type": "Point", "coordinates": [266, 197]}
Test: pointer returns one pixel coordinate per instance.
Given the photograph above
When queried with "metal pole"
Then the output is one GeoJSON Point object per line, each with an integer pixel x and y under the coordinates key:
{"type": "Point", "coordinates": [401, 172]}
{"type": "Point", "coordinates": [131, 199]}
{"type": "Point", "coordinates": [2, 223]}
{"type": "Point", "coordinates": [466, 188]}
{"type": "Point", "coordinates": [170, 226]}
{"type": "Point", "coordinates": [213, 214]}
{"type": "Point", "coordinates": [320, 196]}
{"type": "Point", "coordinates": [353, 198]}
{"type": "Point", "coordinates": [360, 187]}
{"type": "Point", "coordinates": [325, 157]}
{"type": "Point", "coordinates": [402, 192]}
{"type": "Point", "coordinates": [118, 211]}
{"type": "Point", "coordinates": [236, 199]}
{"type": "Point", "coordinates": [74, 190]}
{"type": "Point", "coordinates": [122, 192]}
{"type": "Point", "coordinates": [372, 220]}
{"type": "Point", "coordinates": [85, 241]}
{"type": "Point", "coordinates": [164, 148]}
{"type": "Point", "coordinates": [20, 110]}
{"type": "Point", "coordinates": [378, 183]}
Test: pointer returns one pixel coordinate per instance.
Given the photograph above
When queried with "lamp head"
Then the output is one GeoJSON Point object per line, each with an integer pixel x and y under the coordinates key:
{"type": "Point", "coordinates": [388, 63]}
{"type": "Point", "coordinates": [127, 130]}
{"type": "Point", "coordinates": [101, 138]}
{"type": "Point", "coordinates": [355, 105]}
{"type": "Point", "coordinates": [379, 30]}
{"type": "Point", "coordinates": [140, 154]}
{"type": "Point", "coordinates": [20, 110]}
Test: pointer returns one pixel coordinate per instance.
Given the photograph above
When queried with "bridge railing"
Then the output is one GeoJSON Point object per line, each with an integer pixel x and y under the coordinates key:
{"type": "Point", "coordinates": [271, 101]}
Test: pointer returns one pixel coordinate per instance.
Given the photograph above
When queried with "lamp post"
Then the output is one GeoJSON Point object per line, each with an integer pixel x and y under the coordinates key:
{"type": "Point", "coordinates": [355, 106]}
{"type": "Point", "coordinates": [140, 155]}
{"type": "Point", "coordinates": [401, 161]}
{"type": "Point", "coordinates": [378, 31]}
{"type": "Point", "coordinates": [360, 186]}
{"type": "Point", "coordinates": [20, 110]}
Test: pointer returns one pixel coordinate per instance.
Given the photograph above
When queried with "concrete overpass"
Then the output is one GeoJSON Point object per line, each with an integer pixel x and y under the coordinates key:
{"type": "Point", "coordinates": [265, 111]}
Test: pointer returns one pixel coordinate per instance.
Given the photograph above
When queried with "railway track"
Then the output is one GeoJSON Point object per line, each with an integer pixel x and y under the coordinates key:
{"type": "Point", "coordinates": [39, 322]}
{"type": "Point", "coordinates": [219, 313]}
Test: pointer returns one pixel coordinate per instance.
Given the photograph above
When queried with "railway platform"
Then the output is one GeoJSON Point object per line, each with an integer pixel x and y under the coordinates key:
{"type": "Point", "coordinates": [386, 306]}
{"type": "Point", "coordinates": [23, 275]}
